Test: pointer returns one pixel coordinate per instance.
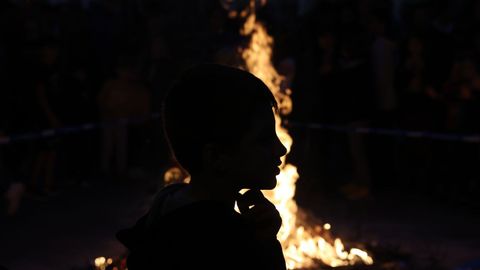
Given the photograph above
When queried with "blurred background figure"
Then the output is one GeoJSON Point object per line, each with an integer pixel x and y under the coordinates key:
{"type": "Point", "coordinates": [50, 96]}
{"type": "Point", "coordinates": [123, 96]}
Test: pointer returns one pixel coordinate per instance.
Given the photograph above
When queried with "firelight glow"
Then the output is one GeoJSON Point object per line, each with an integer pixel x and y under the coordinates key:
{"type": "Point", "coordinates": [304, 244]}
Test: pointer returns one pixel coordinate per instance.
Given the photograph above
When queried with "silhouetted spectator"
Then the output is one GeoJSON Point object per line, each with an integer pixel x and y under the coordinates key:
{"type": "Point", "coordinates": [50, 107]}
{"type": "Point", "coordinates": [383, 52]}
{"type": "Point", "coordinates": [79, 148]}
{"type": "Point", "coordinates": [121, 97]}
{"type": "Point", "coordinates": [161, 70]}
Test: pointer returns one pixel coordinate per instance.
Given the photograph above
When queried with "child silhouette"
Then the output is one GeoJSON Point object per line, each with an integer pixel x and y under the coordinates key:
{"type": "Point", "coordinates": [220, 126]}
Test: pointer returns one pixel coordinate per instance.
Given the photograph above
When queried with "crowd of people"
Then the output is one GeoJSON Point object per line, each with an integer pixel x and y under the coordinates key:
{"type": "Point", "coordinates": [359, 63]}
{"type": "Point", "coordinates": [407, 65]}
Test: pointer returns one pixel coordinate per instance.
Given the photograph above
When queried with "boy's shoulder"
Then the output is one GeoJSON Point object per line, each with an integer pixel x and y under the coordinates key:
{"type": "Point", "coordinates": [173, 210]}
{"type": "Point", "coordinates": [193, 234]}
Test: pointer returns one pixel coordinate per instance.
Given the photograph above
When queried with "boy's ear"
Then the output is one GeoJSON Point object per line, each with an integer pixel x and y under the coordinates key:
{"type": "Point", "coordinates": [214, 157]}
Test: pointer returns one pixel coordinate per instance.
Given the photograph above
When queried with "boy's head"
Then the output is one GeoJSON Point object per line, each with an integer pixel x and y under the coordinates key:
{"type": "Point", "coordinates": [215, 117]}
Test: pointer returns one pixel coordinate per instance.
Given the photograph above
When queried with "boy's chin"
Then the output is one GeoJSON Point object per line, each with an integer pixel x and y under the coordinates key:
{"type": "Point", "coordinates": [264, 185]}
{"type": "Point", "coordinates": [269, 187]}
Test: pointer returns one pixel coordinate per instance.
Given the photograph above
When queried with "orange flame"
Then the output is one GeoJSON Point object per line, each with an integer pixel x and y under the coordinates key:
{"type": "Point", "coordinates": [303, 246]}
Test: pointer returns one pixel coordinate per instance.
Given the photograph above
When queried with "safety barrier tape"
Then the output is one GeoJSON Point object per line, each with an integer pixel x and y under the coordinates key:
{"type": "Point", "coordinates": [467, 138]}
{"type": "Point", "coordinates": [54, 132]}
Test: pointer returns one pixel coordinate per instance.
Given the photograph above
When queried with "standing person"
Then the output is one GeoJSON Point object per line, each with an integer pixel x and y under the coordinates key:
{"type": "Point", "coordinates": [220, 125]}
{"type": "Point", "coordinates": [12, 187]}
{"type": "Point", "coordinates": [383, 149]}
{"type": "Point", "coordinates": [47, 114]}
{"type": "Point", "coordinates": [121, 97]}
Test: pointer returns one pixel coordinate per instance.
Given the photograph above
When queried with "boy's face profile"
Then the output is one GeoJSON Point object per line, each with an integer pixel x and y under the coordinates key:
{"type": "Point", "coordinates": [230, 140]}
{"type": "Point", "coordinates": [254, 164]}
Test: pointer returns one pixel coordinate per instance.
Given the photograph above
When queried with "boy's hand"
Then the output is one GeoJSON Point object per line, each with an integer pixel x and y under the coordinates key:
{"type": "Point", "coordinates": [260, 213]}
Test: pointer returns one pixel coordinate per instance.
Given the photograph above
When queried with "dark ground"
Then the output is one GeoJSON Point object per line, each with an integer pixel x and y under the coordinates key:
{"type": "Point", "coordinates": [71, 229]}
{"type": "Point", "coordinates": [407, 228]}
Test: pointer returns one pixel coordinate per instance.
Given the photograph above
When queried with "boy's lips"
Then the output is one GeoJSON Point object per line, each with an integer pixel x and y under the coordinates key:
{"type": "Point", "coordinates": [276, 167]}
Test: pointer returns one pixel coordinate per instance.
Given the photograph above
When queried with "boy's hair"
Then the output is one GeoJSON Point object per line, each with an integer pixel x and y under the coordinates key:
{"type": "Point", "coordinates": [210, 103]}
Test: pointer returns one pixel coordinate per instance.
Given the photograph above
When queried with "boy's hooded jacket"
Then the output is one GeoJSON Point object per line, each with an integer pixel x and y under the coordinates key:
{"type": "Point", "coordinates": [197, 235]}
